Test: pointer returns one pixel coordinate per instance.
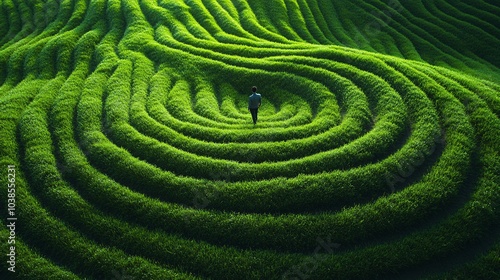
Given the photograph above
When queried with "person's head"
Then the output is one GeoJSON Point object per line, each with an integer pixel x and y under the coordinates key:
{"type": "Point", "coordinates": [254, 88]}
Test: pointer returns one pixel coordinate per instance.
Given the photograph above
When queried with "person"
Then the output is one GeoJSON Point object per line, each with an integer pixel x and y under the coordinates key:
{"type": "Point", "coordinates": [254, 102]}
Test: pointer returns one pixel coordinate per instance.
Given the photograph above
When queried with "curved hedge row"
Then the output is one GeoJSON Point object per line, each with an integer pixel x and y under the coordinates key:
{"type": "Point", "coordinates": [136, 157]}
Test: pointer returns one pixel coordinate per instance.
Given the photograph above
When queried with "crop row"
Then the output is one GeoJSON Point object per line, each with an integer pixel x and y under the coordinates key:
{"type": "Point", "coordinates": [105, 162]}
{"type": "Point", "coordinates": [222, 170]}
{"type": "Point", "coordinates": [346, 258]}
{"type": "Point", "coordinates": [378, 27]}
{"type": "Point", "coordinates": [127, 122]}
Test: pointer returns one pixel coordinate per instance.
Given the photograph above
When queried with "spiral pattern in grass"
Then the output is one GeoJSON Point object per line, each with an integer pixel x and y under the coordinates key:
{"type": "Point", "coordinates": [376, 153]}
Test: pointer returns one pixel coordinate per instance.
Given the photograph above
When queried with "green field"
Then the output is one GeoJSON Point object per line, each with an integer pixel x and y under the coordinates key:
{"type": "Point", "coordinates": [127, 150]}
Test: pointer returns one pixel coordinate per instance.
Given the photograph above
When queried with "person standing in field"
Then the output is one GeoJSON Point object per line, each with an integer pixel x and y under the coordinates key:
{"type": "Point", "coordinates": [254, 102]}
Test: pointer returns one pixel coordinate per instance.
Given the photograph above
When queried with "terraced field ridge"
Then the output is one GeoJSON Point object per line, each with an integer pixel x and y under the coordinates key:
{"type": "Point", "coordinates": [128, 152]}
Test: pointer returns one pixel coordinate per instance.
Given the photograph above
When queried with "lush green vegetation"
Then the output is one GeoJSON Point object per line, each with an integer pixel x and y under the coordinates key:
{"type": "Point", "coordinates": [376, 154]}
